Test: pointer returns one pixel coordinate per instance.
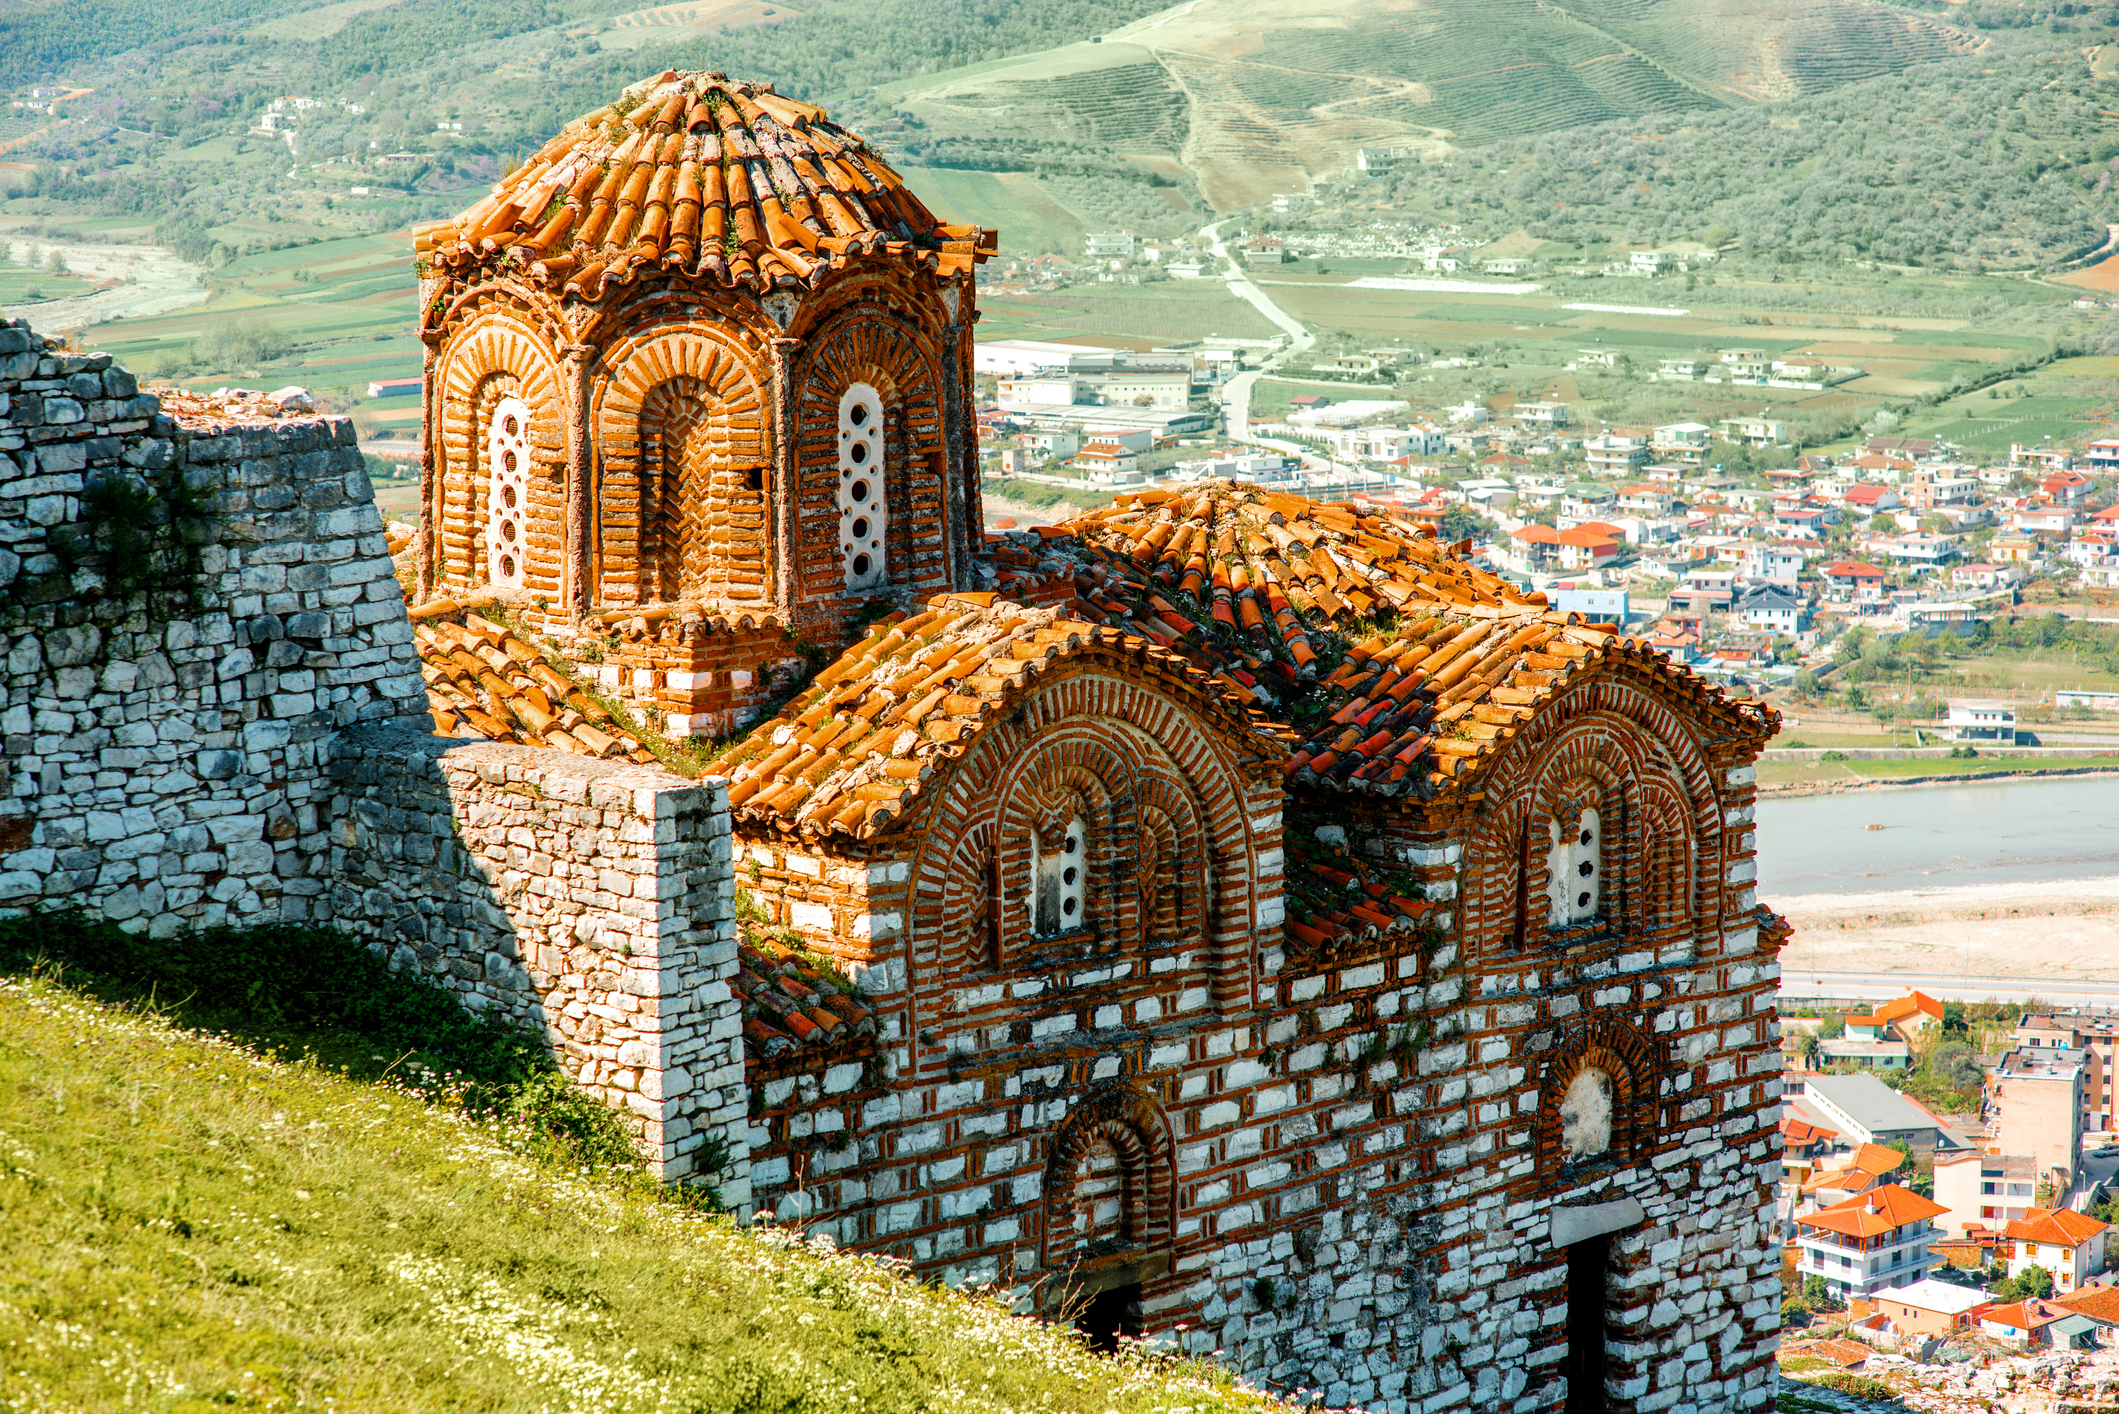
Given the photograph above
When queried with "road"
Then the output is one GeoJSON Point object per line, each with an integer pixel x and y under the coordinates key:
{"type": "Point", "coordinates": [1805, 986]}
{"type": "Point", "coordinates": [1236, 393]}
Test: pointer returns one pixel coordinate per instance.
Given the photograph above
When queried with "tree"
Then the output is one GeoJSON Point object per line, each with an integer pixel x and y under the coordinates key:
{"type": "Point", "coordinates": [1818, 1296]}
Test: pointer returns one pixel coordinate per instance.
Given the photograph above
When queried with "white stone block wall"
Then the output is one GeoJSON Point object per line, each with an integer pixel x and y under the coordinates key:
{"type": "Point", "coordinates": [163, 752]}
{"type": "Point", "coordinates": [593, 901]}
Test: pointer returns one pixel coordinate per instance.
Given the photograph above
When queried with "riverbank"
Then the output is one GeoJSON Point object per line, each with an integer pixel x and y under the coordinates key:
{"type": "Point", "coordinates": [1779, 779]}
{"type": "Point", "coordinates": [2034, 931]}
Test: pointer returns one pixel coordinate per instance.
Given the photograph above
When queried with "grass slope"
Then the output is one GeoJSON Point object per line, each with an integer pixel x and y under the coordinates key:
{"type": "Point", "coordinates": [194, 1225]}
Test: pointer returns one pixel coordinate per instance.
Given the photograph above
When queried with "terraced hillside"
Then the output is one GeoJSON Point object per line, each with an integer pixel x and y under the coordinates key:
{"type": "Point", "coordinates": [1256, 96]}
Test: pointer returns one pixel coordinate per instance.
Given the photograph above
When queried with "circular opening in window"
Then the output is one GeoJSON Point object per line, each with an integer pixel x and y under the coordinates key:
{"type": "Point", "coordinates": [1581, 900]}
{"type": "Point", "coordinates": [860, 528]}
{"type": "Point", "coordinates": [859, 490]}
{"type": "Point", "coordinates": [860, 564]}
{"type": "Point", "coordinates": [507, 462]}
{"type": "Point", "coordinates": [1585, 837]}
{"type": "Point", "coordinates": [507, 497]}
{"type": "Point", "coordinates": [507, 424]}
{"type": "Point", "coordinates": [1588, 869]}
{"type": "Point", "coordinates": [859, 453]}
{"type": "Point", "coordinates": [1070, 876]}
{"type": "Point", "coordinates": [1068, 908]}
{"type": "Point", "coordinates": [507, 567]}
{"type": "Point", "coordinates": [1073, 843]}
{"type": "Point", "coordinates": [507, 530]}
{"type": "Point", "coordinates": [858, 414]}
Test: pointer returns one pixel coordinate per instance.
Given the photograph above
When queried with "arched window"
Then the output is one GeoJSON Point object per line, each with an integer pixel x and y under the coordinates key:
{"type": "Point", "coordinates": [1059, 890]}
{"type": "Point", "coordinates": [1585, 1115]}
{"type": "Point", "coordinates": [864, 509]}
{"type": "Point", "coordinates": [507, 490]}
{"type": "Point", "coordinates": [1574, 867]}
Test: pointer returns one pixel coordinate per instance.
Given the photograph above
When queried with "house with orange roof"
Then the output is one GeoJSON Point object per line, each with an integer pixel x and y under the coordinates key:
{"type": "Point", "coordinates": [2100, 1302]}
{"type": "Point", "coordinates": [1853, 580]}
{"type": "Point", "coordinates": [1906, 1018]}
{"type": "Point", "coordinates": [1108, 463]}
{"type": "Point", "coordinates": [2034, 1325]}
{"type": "Point", "coordinates": [1871, 1242]}
{"type": "Point", "coordinates": [2066, 1244]}
{"type": "Point", "coordinates": [1582, 548]}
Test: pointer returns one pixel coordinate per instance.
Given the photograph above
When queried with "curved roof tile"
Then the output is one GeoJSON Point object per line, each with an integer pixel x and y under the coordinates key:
{"type": "Point", "coordinates": [1394, 666]}
{"type": "Point", "coordinates": [712, 176]}
{"type": "Point", "coordinates": [852, 753]}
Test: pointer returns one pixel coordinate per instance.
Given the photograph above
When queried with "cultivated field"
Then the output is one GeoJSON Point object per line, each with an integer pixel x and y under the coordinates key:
{"type": "Point", "coordinates": [1030, 219]}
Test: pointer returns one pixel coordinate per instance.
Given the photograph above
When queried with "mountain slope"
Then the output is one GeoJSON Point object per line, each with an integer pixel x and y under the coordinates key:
{"type": "Point", "coordinates": [1257, 96]}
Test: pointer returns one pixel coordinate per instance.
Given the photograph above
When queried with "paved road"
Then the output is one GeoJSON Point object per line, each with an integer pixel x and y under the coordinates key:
{"type": "Point", "coordinates": [1236, 393]}
{"type": "Point", "coordinates": [1798, 985]}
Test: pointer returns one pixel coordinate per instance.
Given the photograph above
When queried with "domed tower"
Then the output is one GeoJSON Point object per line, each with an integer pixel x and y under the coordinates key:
{"type": "Point", "coordinates": [703, 359]}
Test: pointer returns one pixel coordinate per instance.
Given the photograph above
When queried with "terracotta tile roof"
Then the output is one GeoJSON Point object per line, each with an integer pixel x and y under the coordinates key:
{"type": "Point", "coordinates": [2031, 1315]}
{"type": "Point", "coordinates": [1907, 1005]}
{"type": "Point", "coordinates": [2099, 1303]}
{"type": "Point", "coordinates": [850, 754]}
{"type": "Point", "coordinates": [485, 681]}
{"type": "Point", "coordinates": [1875, 1158]}
{"type": "Point", "coordinates": [2061, 1226]}
{"type": "Point", "coordinates": [1801, 1131]}
{"type": "Point", "coordinates": [1280, 597]}
{"type": "Point", "coordinates": [1841, 1180]}
{"type": "Point", "coordinates": [1337, 903]}
{"type": "Point", "coordinates": [713, 176]}
{"type": "Point", "coordinates": [1875, 1212]}
{"type": "Point", "coordinates": [793, 1006]}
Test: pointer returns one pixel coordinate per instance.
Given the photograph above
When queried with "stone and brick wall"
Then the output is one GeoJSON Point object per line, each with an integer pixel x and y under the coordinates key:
{"type": "Point", "coordinates": [590, 901]}
{"type": "Point", "coordinates": [187, 613]}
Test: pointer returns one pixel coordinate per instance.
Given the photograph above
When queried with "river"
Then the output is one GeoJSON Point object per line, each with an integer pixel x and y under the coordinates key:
{"type": "Point", "coordinates": [1997, 832]}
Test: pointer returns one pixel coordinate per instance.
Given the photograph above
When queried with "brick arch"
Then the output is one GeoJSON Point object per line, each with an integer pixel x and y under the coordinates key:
{"type": "Point", "coordinates": [1597, 712]}
{"type": "Point", "coordinates": [868, 343]}
{"type": "Point", "coordinates": [685, 450]}
{"type": "Point", "coordinates": [1128, 1119]}
{"type": "Point", "coordinates": [960, 826]}
{"type": "Point", "coordinates": [497, 354]}
{"type": "Point", "coordinates": [1635, 1064]}
{"type": "Point", "coordinates": [1057, 775]}
{"type": "Point", "coordinates": [1176, 901]}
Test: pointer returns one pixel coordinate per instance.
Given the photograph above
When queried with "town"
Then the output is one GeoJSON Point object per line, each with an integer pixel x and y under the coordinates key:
{"type": "Point", "coordinates": [1721, 542]}
{"type": "Point", "coordinates": [1947, 1201]}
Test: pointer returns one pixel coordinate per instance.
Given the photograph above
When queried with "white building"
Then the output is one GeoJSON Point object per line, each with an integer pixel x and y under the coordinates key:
{"type": "Point", "coordinates": [1111, 245]}
{"type": "Point", "coordinates": [2067, 1245]}
{"type": "Point", "coordinates": [1982, 722]}
{"type": "Point", "coordinates": [1984, 1190]}
{"type": "Point", "coordinates": [1873, 1242]}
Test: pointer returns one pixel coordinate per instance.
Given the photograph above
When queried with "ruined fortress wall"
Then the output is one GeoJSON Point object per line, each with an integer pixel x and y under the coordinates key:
{"type": "Point", "coordinates": [186, 615]}
{"type": "Point", "coordinates": [591, 901]}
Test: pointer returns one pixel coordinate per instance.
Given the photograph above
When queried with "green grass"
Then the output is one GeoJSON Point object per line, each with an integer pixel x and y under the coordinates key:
{"type": "Point", "coordinates": [1825, 773]}
{"type": "Point", "coordinates": [344, 309]}
{"type": "Point", "coordinates": [18, 281]}
{"type": "Point", "coordinates": [1030, 219]}
{"type": "Point", "coordinates": [192, 1224]}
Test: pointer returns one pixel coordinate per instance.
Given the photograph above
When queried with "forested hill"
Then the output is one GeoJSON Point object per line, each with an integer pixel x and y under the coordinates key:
{"type": "Point", "coordinates": [2008, 162]}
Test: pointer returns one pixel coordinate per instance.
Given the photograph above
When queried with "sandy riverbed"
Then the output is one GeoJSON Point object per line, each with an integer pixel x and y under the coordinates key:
{"type": "Point", "coordinates": [153, 281]}
{"type": "Point", "coordinates": [2068, 929]}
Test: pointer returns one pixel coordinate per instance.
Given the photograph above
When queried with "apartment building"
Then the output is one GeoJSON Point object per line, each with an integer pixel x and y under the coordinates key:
{"type": "Point", "coordinates": [1873, 1242]}
{"type": "Point", "coordinates": [2034, 1106]}
{"type": "Point", "coordinates": [1984, 1190]}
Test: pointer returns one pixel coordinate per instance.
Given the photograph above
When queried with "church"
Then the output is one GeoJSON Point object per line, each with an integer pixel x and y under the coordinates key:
{"type": "Point", "coordinates": [1225, 918]}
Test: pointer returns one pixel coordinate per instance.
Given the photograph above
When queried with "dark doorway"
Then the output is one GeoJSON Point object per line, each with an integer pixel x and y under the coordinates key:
{"type": "Point", "coordinates": [1586, 1262]}
{"type": "Point", "coordinates": [1112, 1312]}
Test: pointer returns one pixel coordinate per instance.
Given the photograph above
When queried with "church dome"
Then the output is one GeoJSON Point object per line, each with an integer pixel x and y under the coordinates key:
{"type": "Point", "coordinates": [715, 177]}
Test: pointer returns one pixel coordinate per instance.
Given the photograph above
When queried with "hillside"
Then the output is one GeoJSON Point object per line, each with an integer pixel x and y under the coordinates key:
{"type": "Point", "coordinates": [190, 1224]}
{"type": "Point", "coordinates": [1255, 97]}
{"type": "Point", "coordinates": [2005, 163]}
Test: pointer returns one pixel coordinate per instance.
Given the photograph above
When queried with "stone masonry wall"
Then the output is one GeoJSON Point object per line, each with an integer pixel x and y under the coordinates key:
{"type": "Point", "coordinates": [187, 613]}
{"type": "Point", "coordinates": [592, 901]}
